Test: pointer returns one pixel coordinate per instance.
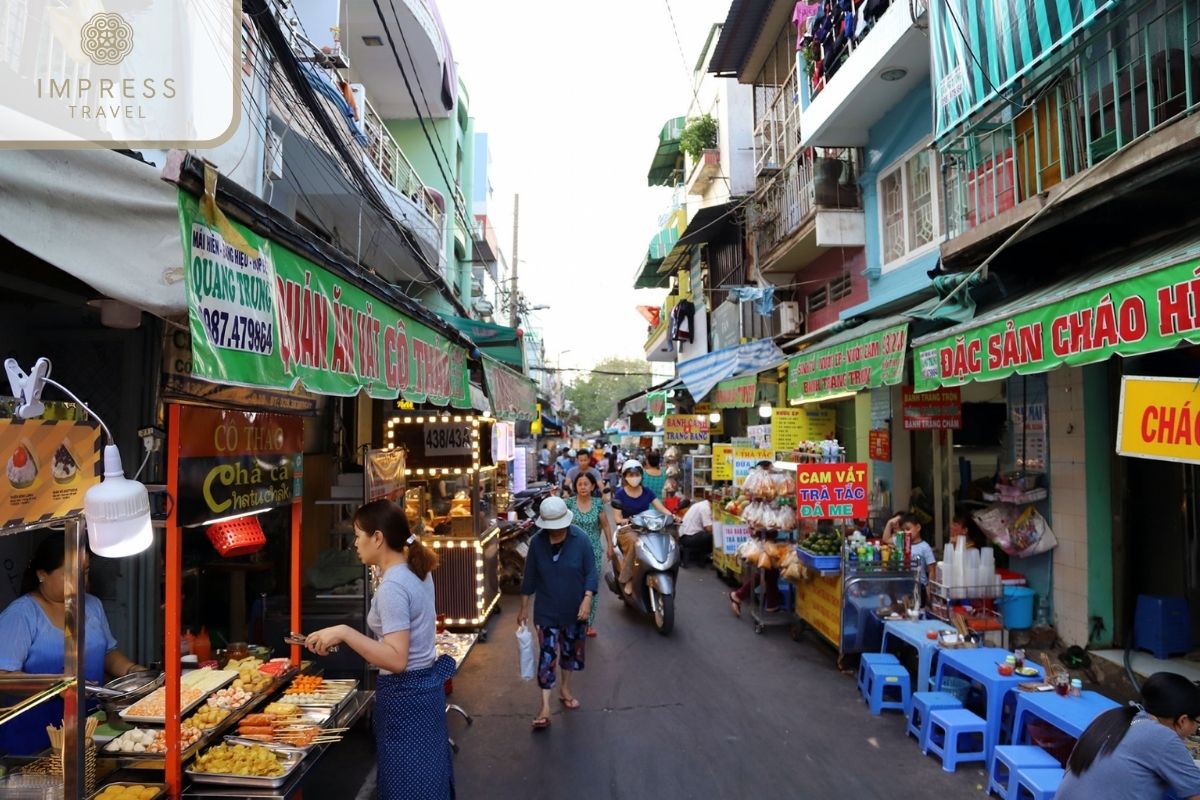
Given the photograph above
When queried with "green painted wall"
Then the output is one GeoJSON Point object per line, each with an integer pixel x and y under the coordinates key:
{"type": "Point", "coordinates": [1098, 450]}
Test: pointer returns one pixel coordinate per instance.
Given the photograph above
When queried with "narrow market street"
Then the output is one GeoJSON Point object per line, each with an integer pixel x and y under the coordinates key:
{"type": "Point", "coordinates": [712, 711]}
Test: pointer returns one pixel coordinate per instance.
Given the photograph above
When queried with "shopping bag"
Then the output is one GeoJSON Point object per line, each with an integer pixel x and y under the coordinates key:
{"type": "Point", "coordinates": [528, 653]}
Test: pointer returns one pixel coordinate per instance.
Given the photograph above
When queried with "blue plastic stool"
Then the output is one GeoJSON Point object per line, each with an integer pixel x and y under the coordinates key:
{"type": "Point", "coordinates": [947, 727]}
{"type": "Point", "coordinates": [865, 662]}
{"type": "Point", "coordinates": [888, 686]}
{"type": "Point", "coordinates": [1039, 783]}
{"type": "Point", "coordinates": [1162, 625]}
{"type": "Point", "coordinates": [1008, 759]}
{"type": "Point", "coordinates": [918, 713]}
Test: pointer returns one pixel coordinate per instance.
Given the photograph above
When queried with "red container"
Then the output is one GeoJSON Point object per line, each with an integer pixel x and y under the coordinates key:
{"type": "Point", "coordinates": [237, 537]}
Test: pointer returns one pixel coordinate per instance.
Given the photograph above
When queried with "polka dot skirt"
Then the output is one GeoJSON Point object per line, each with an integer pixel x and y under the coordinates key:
{"type": "Point", "coordinates": [411, 735]}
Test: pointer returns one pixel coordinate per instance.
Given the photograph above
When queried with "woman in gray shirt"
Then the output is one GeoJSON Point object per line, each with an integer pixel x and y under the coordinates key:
{"type": "Point", "coordinates": [1134, 752]}
{"type": "Point", "coordinates": [410, 713]}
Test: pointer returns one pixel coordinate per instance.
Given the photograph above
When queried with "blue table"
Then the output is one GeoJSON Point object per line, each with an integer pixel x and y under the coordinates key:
{"type": "Point", "coordinates": [914, 633]}
{"type": "Point", "coordinates": [979, 664]}
{"type": "Point", "coordinates": [1071, 715]}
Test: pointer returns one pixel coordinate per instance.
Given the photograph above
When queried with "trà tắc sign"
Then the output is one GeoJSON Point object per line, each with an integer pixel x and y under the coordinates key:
{"type": "Point", "coordinates": [832, 491]}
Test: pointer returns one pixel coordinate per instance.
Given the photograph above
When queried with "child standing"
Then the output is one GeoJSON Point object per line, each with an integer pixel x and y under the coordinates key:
{"type": "Point", "coordinates": [923, 559]}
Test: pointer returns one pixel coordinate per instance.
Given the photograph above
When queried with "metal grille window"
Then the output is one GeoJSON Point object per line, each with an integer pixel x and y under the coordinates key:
{"type": "Point", "coordinates": [818, 299]}
{"type": "Point", "coordinates": [840, 287]}
{"type": "Point", "coordinates": [910, 215]}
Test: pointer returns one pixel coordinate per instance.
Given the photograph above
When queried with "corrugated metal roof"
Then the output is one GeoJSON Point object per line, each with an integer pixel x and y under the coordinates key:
{"type": "Point", "coordinates": [743, 24]}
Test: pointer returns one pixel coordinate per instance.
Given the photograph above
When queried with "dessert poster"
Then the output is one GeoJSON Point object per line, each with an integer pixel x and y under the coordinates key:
{"type": "Point", "coordinates": [48, 465]}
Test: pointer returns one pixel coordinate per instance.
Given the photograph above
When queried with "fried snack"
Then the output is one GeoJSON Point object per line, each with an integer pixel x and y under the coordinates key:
{"type": "Point", "coordinates": [282, 709]}
{"type": "Point", "coordinates": [239, 759]}
{"type": "Point", "coordinates": [304, 684]}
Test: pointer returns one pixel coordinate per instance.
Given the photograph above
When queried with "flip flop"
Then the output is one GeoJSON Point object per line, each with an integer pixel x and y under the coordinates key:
{"type": "Point", "coordinates": [591, 633]}
{"type": "Point", "coordinates": [541, 723]}
{"type": "Point", "coordinates": [735, 604]}
{"type": "Point", "coordinates": [569, 703]}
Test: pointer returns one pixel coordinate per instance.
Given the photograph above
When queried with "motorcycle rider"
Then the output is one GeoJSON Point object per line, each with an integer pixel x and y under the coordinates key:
{"type": "Point", "coordinates": [634, 499]}
{"type": "Point", "coordinates": [583, 463]}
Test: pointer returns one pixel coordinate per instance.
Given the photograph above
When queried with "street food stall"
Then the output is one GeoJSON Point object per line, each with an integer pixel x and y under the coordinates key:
{"type": "Point", "coordinates": [455, 490]}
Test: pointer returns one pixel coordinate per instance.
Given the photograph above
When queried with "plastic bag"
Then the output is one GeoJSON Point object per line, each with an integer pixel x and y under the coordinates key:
{"type": "Point", "coordinates": [1020, 532]}
{"type": "Point", "coordinates": [527, 651]}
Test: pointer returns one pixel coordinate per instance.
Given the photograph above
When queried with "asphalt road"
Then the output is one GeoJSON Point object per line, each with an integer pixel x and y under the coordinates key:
{"type": "Point", "coordinates": [713, 711]}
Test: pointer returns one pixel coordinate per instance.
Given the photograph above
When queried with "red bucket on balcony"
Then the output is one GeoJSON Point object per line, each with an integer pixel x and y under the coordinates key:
{"type": "Point", "coordinates": [237, 537]}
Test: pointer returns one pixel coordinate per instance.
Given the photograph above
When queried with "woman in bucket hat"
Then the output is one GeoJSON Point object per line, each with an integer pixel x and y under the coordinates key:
{"type": "Point", "coordinates": [561, 573]}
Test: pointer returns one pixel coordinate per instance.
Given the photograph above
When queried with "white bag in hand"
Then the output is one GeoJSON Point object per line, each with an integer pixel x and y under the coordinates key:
{"type": "Point", "coordinates": [527, 652]}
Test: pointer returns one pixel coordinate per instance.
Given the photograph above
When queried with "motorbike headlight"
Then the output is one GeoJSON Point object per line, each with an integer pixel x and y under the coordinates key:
{"type": "Point", "coordinates": [654, 523]}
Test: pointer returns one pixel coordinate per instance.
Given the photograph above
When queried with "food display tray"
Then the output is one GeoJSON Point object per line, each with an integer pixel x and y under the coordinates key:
{"type": "Point", "coordinates": [161, 787]}
{"type": "Point", "coordinates": [350, 685]}
{"type": "Point", "coordinates": [226, 680]}
{"type": "Point", "coordinates": [290, 759]}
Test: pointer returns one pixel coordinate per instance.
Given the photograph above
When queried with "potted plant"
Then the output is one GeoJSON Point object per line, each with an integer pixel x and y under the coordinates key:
{"type": "Point", "coordinates": [699, 134]}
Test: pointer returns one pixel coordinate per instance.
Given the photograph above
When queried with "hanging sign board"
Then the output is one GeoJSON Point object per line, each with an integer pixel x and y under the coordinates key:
{"type": "Point", "coordinates": [236, 462]}
{"type": "Point", "coordinates": [513, 396]}
{"type": "Point", "coordinates": [744, 459]}
{"type": "Point", "coordinates": [873, 360]}
{"type": "Point", "coordinates": [832, 491]}
{"type": "Point", "coordinates": [48, 466]}
{"type": "Point", "coordinates": [936, 410]}
{"type": "Point", "coordinates": [685, 429]}
{"type": "Point", "coordinates": [722, 463]}
{"type": "Point", "coordinates": [385, 474]}
{"type": "Point", "coordinates": [656, 405]}
{"type": "Point", "coordinates": [736, 392]}
{"type": "Point", "coordinates": [1159, 419]}
{"type": "Point", "coordinates": [1028, 425]}
{"type": "Point", "coordinates": [879, 444]}
{"type": "Point", "coordinates": [504, 441]}
{"type": "Point", "coordinates": [791, 426]}
{"type": "Point", "coordinates": [271, 318]}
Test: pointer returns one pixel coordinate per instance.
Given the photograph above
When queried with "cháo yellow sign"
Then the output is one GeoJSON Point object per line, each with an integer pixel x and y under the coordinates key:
{"type": "Point", "coordinates": [1160, 419]}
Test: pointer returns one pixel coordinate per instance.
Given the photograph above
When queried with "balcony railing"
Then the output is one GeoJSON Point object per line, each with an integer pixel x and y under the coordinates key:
{"type": "Point", "coordinates": [391, 162]}
{"type": "Point", "coordinates": [777, 130]}
{"type": "Point", "coordinates": [1129, 77]}
{"type": "Point", "coordinates": [664, 319]}
{"type": "Point", "coordinates": [831, 59]}
{"type": "Point", "coordinates": [814, 178]}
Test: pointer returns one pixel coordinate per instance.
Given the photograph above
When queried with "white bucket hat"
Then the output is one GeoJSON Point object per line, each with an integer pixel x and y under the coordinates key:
{"type": "Point", "coordinates": [554, 514]}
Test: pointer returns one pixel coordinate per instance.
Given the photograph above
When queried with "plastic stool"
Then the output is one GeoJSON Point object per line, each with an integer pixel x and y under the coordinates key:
{"type": "Point", "coordinates": [918, 713]}
{"type": "Point", "coordinates": [1162, 625]}
{"type": "Point", "coordinates": [1008, 759]}
{"type": "Point", "coordinates": [946, 727]}
{"type": "Point", "coordinates": [865, 662]}
{"type": "Point", "coordinates": [1037, 783]}
{"type": "Point", "coordinates": [888, 679]}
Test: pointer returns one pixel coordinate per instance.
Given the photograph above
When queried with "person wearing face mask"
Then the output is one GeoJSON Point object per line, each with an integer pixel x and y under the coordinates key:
{"type": "Point", "coordinates": [1138, 751]}
{"type": "Point", "coordinates": [32, 642]}
{"type": "Point", "coordinates": [634, 499]}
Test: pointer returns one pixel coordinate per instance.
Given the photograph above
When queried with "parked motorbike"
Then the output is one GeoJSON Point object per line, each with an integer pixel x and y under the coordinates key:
{"type": "Point", "coordinates": [655, 568]}
{"type": "Point", "coordinates": [515, 534]}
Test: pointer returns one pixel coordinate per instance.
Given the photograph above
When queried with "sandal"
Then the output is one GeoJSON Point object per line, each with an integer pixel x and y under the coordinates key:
{"type": "Point", "coordinates": [569, 702]}
{"type": "Point", "coordinates": [541, 723]}
{"type": "Point", "coordinates": [591, 633]}
{"type": "Point", "coordinates": [735, 604]}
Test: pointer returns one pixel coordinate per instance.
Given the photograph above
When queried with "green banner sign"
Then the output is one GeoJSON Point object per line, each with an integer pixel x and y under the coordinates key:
{"type": "Point", "coordinates": [1141, 314]}
{"type": "Point", "coordinates": [736, 392]}
{"type": "Point", "coordinates": [872, 360]}
{"type": "Point", "coordinates": [513, 396]}
{"type": "Point", "coordinates": [266, 317]}
{"type": "Point", "coordinates": [656, 405]}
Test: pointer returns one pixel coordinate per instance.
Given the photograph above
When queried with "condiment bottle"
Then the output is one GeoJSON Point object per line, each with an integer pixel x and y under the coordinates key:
{"type": "Point", "coordinates": [188, 642]}
{"type": "Point", "coordinates": [201, 645]}
{"type": "Point", "coordinates": [1076, 687]}
{"type": "Point", "coordinates": [1019, 655]}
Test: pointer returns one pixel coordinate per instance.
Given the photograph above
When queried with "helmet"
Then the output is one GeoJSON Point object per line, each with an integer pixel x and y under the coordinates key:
{"type": "Point", "coordinates": [632, 463]}
{"type": "Point", "coordinates": [571, 453]}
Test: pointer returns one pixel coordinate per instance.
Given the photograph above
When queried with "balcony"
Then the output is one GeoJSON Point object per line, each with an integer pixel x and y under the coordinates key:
{"type": "Point", "coordinates": [852, 88]}
{"type": "Point", "coordinates": [777, 129]}
{"type": "Point", "coordinates": [812, 204]}
{"type": "Point", "coordinates": [659, 346]}
{"type": "Point", "coordinates": [484, 246]}
{"type": "Point", "coordinates": [704, 172]}
{"type": "Point", "coordinates": [1128, 78]}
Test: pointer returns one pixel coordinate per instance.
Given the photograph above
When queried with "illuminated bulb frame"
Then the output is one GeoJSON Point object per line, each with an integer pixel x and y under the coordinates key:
{"type": "Point", "coordinates": [480, 588]}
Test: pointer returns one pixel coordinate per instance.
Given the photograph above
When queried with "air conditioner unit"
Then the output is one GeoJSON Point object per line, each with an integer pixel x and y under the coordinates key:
{"type": "Point", "coordinates": [789, 320]}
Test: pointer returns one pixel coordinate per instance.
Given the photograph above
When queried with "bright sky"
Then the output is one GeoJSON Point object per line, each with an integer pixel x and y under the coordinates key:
{"type": "Point", "coordinates": [573, 96]}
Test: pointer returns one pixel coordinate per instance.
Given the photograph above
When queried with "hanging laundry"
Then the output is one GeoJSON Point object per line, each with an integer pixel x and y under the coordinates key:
{"type": "Point", "coordinates": [802, 16]}
{"type": "Point", "coordinates": [763, 297]}
{"type": "Point", "coordinates": [650, 314]}
{"type": "Point", "coordinates": [683, 321]}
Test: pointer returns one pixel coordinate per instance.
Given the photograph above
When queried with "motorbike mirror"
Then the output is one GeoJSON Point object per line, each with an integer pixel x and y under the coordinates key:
{"type": "Point", "coordinates": [618, 505]}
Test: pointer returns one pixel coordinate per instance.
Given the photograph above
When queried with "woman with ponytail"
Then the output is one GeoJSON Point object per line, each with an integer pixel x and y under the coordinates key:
{"type": "Point", "coordinates": [410, 703]}
{"type": "Point", "coordinates": [1138, 751]}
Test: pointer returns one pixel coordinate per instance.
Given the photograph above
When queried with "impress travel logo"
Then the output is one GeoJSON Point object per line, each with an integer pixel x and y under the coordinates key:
{"type": "Point", "coordinates": [121, 73]}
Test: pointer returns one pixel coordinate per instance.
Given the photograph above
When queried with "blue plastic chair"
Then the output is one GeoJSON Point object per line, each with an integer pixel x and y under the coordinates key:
{"type": "Point", "coordinates": [918, 714]}
{"type": "Point", "coordinates": [888, 686]}
{"type": "Point", "coordinates": [1039, 783]}
{"type": "Point", "coordinates": [864, 664]}
{"type": "Point", "coordinates": [1008, 759]}
{"type": "Point", "coordinates": [947, 729]}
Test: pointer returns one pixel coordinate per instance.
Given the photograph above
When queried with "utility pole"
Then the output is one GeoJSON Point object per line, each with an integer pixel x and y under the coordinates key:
{"type": "Point", "coordinates": [514, 298]}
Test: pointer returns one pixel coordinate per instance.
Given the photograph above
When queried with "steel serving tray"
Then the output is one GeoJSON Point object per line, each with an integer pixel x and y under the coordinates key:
{"type": "Point", "coordinates": [160, 787]}
{"type": "Point", "coordinates": [226, 680]}
{"type": "Point", "coordinates": [290, 759]}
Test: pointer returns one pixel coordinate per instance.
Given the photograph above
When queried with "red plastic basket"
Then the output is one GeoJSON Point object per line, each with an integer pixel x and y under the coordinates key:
{"type": "Point", "coordinates": [237, 537]}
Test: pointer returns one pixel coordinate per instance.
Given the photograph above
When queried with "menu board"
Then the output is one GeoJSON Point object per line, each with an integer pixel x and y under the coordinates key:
{"type": "Point", "coordinates": [791, 426]}
{"type": "Point", "coordinates": [744, 459]}
{"type": "Point", "coordinates": [722, 464]}
{"type": "Point", "coordinates": [49, 464]}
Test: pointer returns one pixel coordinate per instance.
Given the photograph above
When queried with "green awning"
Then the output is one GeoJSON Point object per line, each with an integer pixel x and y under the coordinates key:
{"type": "Point", "coordinates": [864, 357]}
{"type": "Point", "coordinates": [1121, 308]}
{"type": "Point", "coordinates": [498, 341]}
{"type": "Point", "coordinates": [667, 167]}
{"type": "Point", "coordinates": [661, 245]}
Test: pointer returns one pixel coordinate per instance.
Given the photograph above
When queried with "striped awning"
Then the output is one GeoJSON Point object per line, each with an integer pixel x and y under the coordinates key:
{"type": "Point", "coordinates": [704, 372]}
{"type": "Point", "coordinates": [667, 167]}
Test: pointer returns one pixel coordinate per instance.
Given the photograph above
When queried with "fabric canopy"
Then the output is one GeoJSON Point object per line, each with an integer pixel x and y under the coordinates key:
{"type": "Point", "coordinates": [498, 341]}
{"type": "Point", "coordinates": [512, 396]}
{"type": "Point", "coordinates": [667, 165]}
{"type": "Point", "coordinates": [702, 373]}
{"type": "Point", "coordinates": [1121, 308]}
